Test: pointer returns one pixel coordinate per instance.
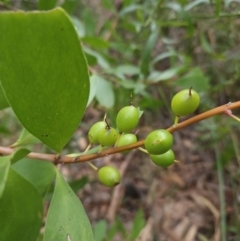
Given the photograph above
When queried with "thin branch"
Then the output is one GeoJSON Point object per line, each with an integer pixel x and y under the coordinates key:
{"type": "Point", "coordinates": [83, 158]}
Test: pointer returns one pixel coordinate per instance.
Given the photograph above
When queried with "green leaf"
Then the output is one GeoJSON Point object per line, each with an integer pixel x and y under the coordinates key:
{"type": "Point", "coordinates": [5, 164]}
{"type": "Point", "coordinates": [147, 50]}
{"type": "Point", "coordinates": [46, 4]}
{"type": "Point", "coordinates": [78, 184]}
{"type": "Point", "coordinates": [93, 89]}
{"type": "Point", "coordinates": [48, 89]}
{"type": "Point", "coordinates": [4, 167]}
{"type": "Point", "coordinates": [138, 224]}
{"type": "Point", "coordinates": [79, 26]}
{"type": "Point", "coordinates": [69, 6]}
{"type": "Point", "coordinates": [66, 218]}
{"type": "Point", "coordinates": [26, 138]}
{"type": "Point", "coordinates": [157, 76]}
{"type": "Point", "coordinates": [206, 46]}
{"type": "Point", "coordinates": [127, 70]}
{"type": "Point", "coordinates": [21, 209]}
{"type": "Point", "coordinates": [19, 154]}
{"type": "Point", "coordinates": [3, 101]}
{"type": "Point", "coordinates": [95, 42]}
{"type": "Point", "coordinates": [195, 79]}
{"type": "Point", "coordinates": [39, 173]}
{"type": "Point", "coordinates": [193, 4]}
{"type": "Point", "coordinates": [99, 230]}
{"type": "Point", "coordinates": [100, 59]}
{"type": "Point", "coordinates": [104, 93]}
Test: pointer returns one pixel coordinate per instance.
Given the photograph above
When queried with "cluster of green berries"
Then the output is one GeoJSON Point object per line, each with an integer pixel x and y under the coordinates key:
{"type": "Point", "coordinates": [101, 133]}
{"type": "Point", "coordinates": [158, 143]}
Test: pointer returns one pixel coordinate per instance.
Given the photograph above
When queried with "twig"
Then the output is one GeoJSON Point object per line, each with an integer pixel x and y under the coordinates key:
{"type": "Point", "coordinates": [83, 158]}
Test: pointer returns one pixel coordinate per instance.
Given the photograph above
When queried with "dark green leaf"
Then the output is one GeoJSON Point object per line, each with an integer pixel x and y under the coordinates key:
{"type": "Point", "coordinates": [4, 167]}
{"type": "Point", "coordinates": [46, 4]}
{"type": "Point", "coordinates": [66, 218]}
{"type": "Point", "coordinates": [39, 173]}
{"type": "Point", "coordinates": [21, 209]}
{"type": "Point", "coordinates": [69, 5]}
{"type": "Point", "coordinates": [3, 101]}
{"type": "Point", "coordinates": [48, 89]}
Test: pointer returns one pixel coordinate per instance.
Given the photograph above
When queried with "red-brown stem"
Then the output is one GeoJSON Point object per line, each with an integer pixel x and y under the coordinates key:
{"type": "Point", "coordinates": [84, 158]}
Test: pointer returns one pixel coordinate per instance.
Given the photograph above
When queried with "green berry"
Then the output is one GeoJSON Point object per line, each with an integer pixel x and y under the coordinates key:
{"type": "Point", "coordinates": [126, 139]}
{"type": "Point", "coordinates": [109, 176]}
{"type": "Point", "coordinates": [107, 136]}
{"type": "Point", "coordinates": [185, 102]}
{"type": "Point", "coordinates": [164, 160]}
{"type": "Point", "coordinates": [158, 142]}
{"type": "Point", "coordinates": [93, 132]}
{"type": "Point", "coordinates": [127, 118]}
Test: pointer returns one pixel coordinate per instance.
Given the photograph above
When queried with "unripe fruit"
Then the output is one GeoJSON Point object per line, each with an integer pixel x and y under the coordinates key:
{"type": "Point", "coordinates": [164, 160]}
{"type": "Point", "coordinates": [127, 118]}
{"type": "Point", "coordinates": [109, 176]}
{"type": "Point", "coordinates": [93, 132]}
{"type": "Point", "coordinates": [126, 139]}
{"type": "Point", "coordinates": [185, 102]}
{"type": "Point", "coordinates": [107, 136]}
{"type": "Point", "coordinates": [158, 142]}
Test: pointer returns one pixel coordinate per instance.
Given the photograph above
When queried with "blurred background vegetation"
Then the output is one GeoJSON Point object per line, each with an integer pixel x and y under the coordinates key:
{"type": "Point", "coordinates": [154, 48]}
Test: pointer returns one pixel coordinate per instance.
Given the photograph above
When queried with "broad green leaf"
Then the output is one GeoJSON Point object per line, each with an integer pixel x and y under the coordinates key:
{"type": "Point", "coordinates": [21, 209]}
{"type": "Point", "coordinates": [104, 92]}
{"type": "Point", "coordinates": [138, 224]}
{"type": "Point", "coordinates": [46, 4]}
{"type": "Point", "coordinates": [39, 173]}
{"type": "Point", "coordinates": [195, 79]}
{"type": "Point", "coordinates": [4, 167]}
{"type": "Point", "coordinates": [5, 163]}
{"type": "Point", "coordinates": [26, 138]}
{"type": "Point", "coordinates": [48, 89]}
{"type": "Point", "coordinates": [76, 185]}
{"type": "Point", "coordinates": [99, 230]}
{"type": "Point", "coordinates": [66, 218]}
{"type": "Point", "coordinates": [3, 101]}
